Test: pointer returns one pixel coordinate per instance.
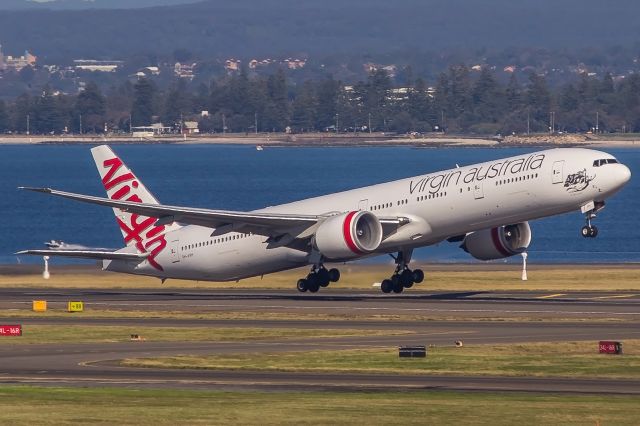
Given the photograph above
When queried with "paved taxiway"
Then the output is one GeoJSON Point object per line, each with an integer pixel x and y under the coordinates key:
{"type": "Point", "coordinates": [563, 317]}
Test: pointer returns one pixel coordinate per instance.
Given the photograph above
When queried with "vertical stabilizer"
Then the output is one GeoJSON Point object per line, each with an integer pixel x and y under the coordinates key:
{"type": "Point", "coordinates": [122, 184]}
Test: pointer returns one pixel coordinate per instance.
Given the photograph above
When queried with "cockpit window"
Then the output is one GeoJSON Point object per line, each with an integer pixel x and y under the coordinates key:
{"type": "Point", "coordinates": [604, 161]}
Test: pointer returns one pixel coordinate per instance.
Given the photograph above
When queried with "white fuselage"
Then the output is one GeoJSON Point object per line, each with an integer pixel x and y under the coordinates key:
{"type": "Point", "coordinates": [439, 205]}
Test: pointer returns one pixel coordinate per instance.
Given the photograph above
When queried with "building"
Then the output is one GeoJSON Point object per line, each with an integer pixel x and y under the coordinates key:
{"type": "Point", "coordinates": [190, 128]}
{"type": "Point", "coordinates": [184, 70]}
{"type": "Point", "coordinates": [232, 64]}
{"type": "Point", "coordinates": [295, 64]}
{"type": "Point", "coordinates": [93, 65]}
{"type": "Point", "coordinates": [17, 63]}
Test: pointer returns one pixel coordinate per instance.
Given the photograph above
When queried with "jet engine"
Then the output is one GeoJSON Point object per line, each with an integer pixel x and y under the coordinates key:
{"type": "Point", "coordinates": [498, 243]}
{"type": "Point", "coordinates": [348, 235]}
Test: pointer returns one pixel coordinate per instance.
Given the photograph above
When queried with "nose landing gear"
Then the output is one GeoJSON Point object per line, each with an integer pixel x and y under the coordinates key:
{"type": "Point", "coordinates": [589, 230]}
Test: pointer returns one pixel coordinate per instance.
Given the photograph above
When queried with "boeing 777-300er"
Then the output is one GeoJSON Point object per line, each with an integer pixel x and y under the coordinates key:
{"type": "Point", "coordinates": [486, 207]}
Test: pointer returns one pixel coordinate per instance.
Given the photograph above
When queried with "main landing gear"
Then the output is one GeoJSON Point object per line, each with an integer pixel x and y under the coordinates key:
{"type": "Point", "coordinates": [403, 277]}
{"type": "Point", "coordinates": [318, 277]}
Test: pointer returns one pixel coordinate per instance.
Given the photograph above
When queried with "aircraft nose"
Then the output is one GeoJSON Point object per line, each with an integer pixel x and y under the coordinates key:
{"type": "Point", "coordinates": [624, 174]}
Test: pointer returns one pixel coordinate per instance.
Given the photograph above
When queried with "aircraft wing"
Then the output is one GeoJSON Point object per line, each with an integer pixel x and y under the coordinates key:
{"type": "Point", "coordinates": [224, 221]}
{"type": "Point", "coordinates": [88, 254]}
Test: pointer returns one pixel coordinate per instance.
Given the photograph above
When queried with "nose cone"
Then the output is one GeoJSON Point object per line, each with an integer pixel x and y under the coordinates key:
{"type": "Point", "coordinates": [623, 174]}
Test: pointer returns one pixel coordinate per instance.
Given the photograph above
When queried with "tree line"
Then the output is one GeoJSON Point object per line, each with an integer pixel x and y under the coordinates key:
{"type": "Point", "coordinates": [460, 101]}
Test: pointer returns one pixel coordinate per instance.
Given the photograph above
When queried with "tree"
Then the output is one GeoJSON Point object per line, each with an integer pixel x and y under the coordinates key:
{"type": "Point", "coordinates": [488, 98]}
{"type": "Point", "coordinates": [327, 103]}
{"type": "Point", "coordinates": [49, 116]}
{"type": "Point", "coordinates": [142, 110]}
{"type": "Point", "coordinates": [276, 115]}
{"type": "Point", "coordinates": [375, 99]}
{"type": "Point", "coordinates": [539, 102]}
{"type": "Point", "coordinates": [91, 106]}
{"type": "Point", "coordinates": [177, 104]}
{"type": "Point", "coordinates": [513, 94]}
{"type": "Point", "coordinates": [304, 108]}
{"type": "Point", "coordinates": [4, 117]}
{"type": "Point", "coordinates": [22, 113]}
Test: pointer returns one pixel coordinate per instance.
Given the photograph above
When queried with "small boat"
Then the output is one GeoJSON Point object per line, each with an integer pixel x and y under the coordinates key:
{"type": "Point", "coordinates": [259, 148]}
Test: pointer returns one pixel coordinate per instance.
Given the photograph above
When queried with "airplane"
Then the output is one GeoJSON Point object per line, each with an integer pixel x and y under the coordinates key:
{"type": "Point", "coordinates": [486, 207]}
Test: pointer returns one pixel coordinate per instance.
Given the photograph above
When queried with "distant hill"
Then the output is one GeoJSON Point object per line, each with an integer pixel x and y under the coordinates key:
{"type": "Point", "coordinates": [218, 28]}
{"type": "Point", "coordinates": [87, 4]}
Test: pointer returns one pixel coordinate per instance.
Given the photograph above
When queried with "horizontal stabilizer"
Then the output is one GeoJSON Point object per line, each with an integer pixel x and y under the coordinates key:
{"type": "Point", "coordinates": [88, 254]}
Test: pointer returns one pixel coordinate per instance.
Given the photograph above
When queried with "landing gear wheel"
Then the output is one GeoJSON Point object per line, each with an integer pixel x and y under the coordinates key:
{"type": "Point", "coordinates": [397, 288]}
{"type": "Point", "coordinates": [406, 278]}
{"type": "Point", "coordinates": [302, 285]}
{"type": "Point", "coordinates": [314, 286]}
{"type": "Point", "coordinates": [418, 276]}
{"type": "Point", "coordinates": [386, 286]}
{"type": "Point", "coordinates": [589, 231]}
{"type": "Point", "coordinates": [323, 277]}
{"type": "Point", "coordinates": [334, 275]}
{"type": "Point", "coordinates": [395, 280]}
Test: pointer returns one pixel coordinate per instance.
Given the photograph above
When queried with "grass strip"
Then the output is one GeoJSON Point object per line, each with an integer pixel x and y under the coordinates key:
{"type": "Point", "coordinates": [260, 314]}
{"type": "Point", "coordinates": [26, 405]}
{"type": "Point", "coordinates": [567, 359]}
{"type": "Point", "coordinates": [362, 277]}
{"type": "Point", "coordinates": [38, 334]}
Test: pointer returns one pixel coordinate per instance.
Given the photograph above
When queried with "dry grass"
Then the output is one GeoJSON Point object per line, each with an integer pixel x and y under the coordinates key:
{"type": "Point", "coordinates": [570, 359]}
{"type": "Point", "coordinates": [71, 334]}
{"type": "Point", "coordinates": [362, 277]}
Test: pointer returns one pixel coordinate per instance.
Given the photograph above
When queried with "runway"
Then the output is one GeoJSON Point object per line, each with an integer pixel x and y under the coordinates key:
{"type": "Point", "coordinates": [485, 317]}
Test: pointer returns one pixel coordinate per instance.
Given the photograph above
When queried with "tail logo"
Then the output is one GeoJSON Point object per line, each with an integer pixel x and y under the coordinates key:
{"type": "Point", "coordinates": [148, 237]}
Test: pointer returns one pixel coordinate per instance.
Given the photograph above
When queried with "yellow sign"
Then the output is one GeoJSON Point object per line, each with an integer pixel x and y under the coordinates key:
{"type": "Point", "coordinates": [75, 307]}
{"type": "Point", "coordinates": [39, 305]}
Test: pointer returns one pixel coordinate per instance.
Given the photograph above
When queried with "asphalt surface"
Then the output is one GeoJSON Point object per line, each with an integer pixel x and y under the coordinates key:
{"type": "Point", "coordinates": [480, 317]}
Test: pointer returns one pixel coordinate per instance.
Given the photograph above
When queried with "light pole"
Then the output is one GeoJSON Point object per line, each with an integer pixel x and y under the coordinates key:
{"type": "Point", "coordinates": [337, 116]}
{"type": "Point", "coordinates": [28, 124]}
{"type": "Point", "coordinates": [80, 123]}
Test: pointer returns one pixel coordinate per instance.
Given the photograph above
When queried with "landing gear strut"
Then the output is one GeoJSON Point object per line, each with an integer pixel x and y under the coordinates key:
{"type": "Point", "coordinates": [403, 277]}
{"type": "Point", "coordinates": [318, 277]}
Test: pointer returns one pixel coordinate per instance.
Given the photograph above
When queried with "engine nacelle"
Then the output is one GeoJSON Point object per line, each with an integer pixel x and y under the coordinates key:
{"type": "Point", "coordinates": [348, 235]}
{"type": "Point", "coordinates": [498, 243]}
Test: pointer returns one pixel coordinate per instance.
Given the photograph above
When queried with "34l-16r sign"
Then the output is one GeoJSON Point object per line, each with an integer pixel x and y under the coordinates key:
{"type": "Point", "coordinates": [10, 330]}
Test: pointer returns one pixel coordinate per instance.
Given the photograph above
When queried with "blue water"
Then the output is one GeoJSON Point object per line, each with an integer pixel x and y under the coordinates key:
{"type": "Point", "coordinates": [241, 178]}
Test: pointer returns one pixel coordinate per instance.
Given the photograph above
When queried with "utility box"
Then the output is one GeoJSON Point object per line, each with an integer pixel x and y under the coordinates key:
{"type": "Point", "coordinates": [75, 307]}
{"type": "Point", "coordinates": [39, 306]}
{"type": "Point", "coordinates": [412, 351]}
{"type": "Point", "coordinates": [610, 347]}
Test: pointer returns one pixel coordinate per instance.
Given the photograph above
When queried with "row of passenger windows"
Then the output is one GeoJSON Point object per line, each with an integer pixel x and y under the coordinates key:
{"type": "Point", "coordinates": [516, 179]}
{"type": "Point", "coordinates": [381, 206]}
{"type": "Point", "coordinates": [216, 241]}
{"type": "Point", "coordinates": [430, 196]}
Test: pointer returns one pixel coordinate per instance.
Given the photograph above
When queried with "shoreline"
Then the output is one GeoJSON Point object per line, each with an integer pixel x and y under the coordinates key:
{"type": "Point", "coordinates": [330, 140]}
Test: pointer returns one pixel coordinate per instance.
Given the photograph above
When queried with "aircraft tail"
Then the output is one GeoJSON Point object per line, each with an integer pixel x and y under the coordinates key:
{"type": "Point", "coordinates": [122, 184]}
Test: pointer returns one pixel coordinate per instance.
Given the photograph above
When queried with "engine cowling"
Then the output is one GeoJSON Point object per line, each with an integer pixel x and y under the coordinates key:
{"type": "Point", "coordinates": [348, 235]}
{"type": "Point", "coordinates": [498, 243]}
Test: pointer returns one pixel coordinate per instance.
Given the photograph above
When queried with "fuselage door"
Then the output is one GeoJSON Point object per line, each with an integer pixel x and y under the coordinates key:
{"type": "Point", "coordinates": [478, 190]}
{"type": "Point", "coordinates": [363, 205]}
{"type": "Point", "coordinates": [174, 250]}
{"type": "Point", "coordinates": [558, 172]}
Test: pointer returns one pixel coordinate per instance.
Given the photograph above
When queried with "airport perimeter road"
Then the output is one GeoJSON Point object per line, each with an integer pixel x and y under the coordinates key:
{"type": "Point", "coordinates": [574, 316]}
